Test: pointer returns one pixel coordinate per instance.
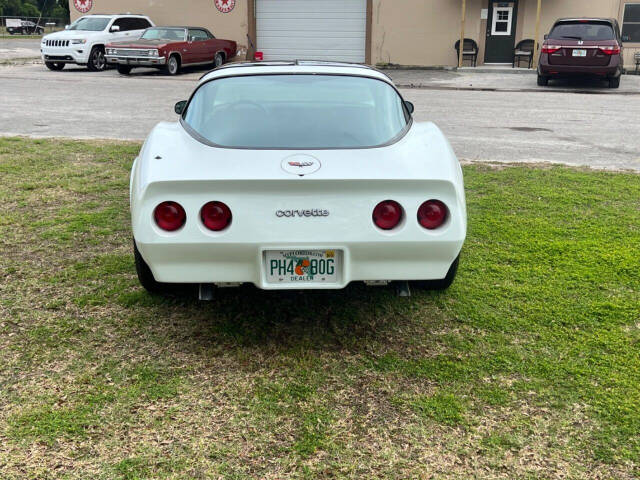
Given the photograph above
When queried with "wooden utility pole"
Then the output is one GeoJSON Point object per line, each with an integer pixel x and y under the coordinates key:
{"type": "Point", "coordinates": [461, 49]}
{"type": "Point", "coordinates": [536, 42]}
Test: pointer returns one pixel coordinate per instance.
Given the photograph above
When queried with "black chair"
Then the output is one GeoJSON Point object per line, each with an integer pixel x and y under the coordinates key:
{"type": "Point", "coordinates": [524, 49]}
{"type": "Point", "coordinates": [469, 51]}
{"type": "Point", "coordinates": [636, 57]}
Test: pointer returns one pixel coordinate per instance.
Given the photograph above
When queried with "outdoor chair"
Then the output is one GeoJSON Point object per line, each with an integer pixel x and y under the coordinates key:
{"type": "Point", "coordinates": [636, 56]}
{"type": "Point", "coordinates": [524, 49]}
{"type": "Point", "coordinates": [469, 51]}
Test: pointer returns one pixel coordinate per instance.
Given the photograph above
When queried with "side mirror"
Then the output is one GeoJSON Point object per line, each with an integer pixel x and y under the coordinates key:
{"type": "Point", "coordinates": [179, 108]}
{"type": "Point", "coordinates": [114, 28]}
{"type": "Point", "coordinates": [409, 106]}
{"type": "Point", "coordinates": [66, 27]}
{"type": "Point", "coordinates": [546, 36]}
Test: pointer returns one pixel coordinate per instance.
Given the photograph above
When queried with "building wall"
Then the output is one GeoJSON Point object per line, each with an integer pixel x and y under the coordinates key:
{"type": "Point", "coordinates": [403, 32]}
{"type": "Point", "coordinates": [423, 32]}
{"type": "Point", "coordinates": [419, 32]}
{"type": "Point", "coordinates": [199, 13]}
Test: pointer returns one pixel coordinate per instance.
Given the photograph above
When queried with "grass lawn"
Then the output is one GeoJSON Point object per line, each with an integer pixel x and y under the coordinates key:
{"type": "Point", "coordinates": [528, 367]}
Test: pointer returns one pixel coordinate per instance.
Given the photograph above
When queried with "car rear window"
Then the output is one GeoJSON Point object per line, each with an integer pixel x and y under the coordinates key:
{"type": "Point", "coordinates": [297, 112]}
{"type": "Point", "coordinates": [583, 30]}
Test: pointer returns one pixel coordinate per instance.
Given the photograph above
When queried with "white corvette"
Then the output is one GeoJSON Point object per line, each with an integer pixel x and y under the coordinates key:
{"type": "Point", "coordinates": [296, 175]}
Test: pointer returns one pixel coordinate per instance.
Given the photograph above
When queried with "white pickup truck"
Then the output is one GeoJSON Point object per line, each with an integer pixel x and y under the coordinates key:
{"type": "Point", "coordinates": [83, 41]}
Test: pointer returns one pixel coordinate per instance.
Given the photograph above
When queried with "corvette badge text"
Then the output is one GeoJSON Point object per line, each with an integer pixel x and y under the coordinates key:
{"type": "Point", "coordinates": [302, 213]}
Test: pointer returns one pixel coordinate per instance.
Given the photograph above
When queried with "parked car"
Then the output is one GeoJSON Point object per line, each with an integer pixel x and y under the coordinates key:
{"type": "Point", "coordinates": [25, 28]}
{"type": "Point", "coordinates": [84, 40]}
{"type": "Point", "coordinates": [582, 47]}
{"type": "Point", "coordinates": [171, 48]}
{"type": "Point", "coordinates": [296, 175]}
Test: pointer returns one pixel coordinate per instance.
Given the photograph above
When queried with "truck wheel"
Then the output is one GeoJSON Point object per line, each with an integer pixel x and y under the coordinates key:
{"type": "Point", "coordinates": [55, 66]}
{"type": "Point", "coordinates": [614, 82]}
{"type": "Point", "coordinates": [439, 284]}
{"type": "Point", "coordinates": [97, 62]}
{"type": "Point", "coordinates": [543, 81]}
{"type": "Point", "coordinates": [173, 65]}
{"type": "Point", "coordinates": [218, 60]}
{"type": "Point", "coordinates": [123, 69]}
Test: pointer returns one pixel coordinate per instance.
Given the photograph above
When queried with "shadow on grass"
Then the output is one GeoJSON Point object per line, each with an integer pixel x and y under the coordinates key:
{"type": "Point", "coordinates": [247, 316]}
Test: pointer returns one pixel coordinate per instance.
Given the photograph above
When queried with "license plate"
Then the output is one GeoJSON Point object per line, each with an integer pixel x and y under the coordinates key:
{"type": "Point", "coordinates": [303, 266]}
{"type": "Point", "coordinates": [579, 53]}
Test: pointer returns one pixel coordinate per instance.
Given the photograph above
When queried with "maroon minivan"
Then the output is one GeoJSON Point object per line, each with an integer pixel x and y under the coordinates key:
{"type": "Point", "coordinates": [584, 47]}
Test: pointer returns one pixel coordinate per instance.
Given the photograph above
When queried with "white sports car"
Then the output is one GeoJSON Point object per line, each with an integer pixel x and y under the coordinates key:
{"type": "Point", "coordinates": [296, 175]}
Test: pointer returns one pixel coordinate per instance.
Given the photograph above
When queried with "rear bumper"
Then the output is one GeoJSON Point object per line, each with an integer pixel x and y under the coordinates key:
{"type": "Point", "coordinates": [194, 254]}
{"type": "Point", "coordinates": [244, 262]}
{"type": "Point", "coordinates": [136, 61]}
{"type": "Point", "coordinates": [613, 69]}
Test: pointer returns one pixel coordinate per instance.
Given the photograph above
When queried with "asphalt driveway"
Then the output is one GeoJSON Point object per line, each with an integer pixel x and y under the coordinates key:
{"type": "Point", "coordinates": [584, 124]}
{"type": "Point", "coordinates": [12, 48]}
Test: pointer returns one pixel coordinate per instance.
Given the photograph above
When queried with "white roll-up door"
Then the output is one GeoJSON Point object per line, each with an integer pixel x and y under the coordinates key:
{"type": "Point", "coordinates": [312, 29]}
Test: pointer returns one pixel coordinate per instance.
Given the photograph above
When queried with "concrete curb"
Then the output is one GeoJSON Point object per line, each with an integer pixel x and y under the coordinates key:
{"type": "Point", "coordinates": [515, 90]}
{"type": "Point", "coordinates": [509, 70]}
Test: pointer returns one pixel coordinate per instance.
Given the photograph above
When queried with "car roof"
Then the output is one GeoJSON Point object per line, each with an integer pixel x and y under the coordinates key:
{"type": "Point", "coordinates": [586, 19]}
{"type": "Point", "coordinates": [112, 15]}
{"type": "Point", "coordinates": [179, 26]}
{"type": "Point", "coordinates": [295, 67]}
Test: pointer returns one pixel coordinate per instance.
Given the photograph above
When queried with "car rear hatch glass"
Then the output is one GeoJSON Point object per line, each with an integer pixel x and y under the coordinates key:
{"type": "Point", "coordinates": [297, 111]}
{"type": "Point", "coordinates": [579, 41]}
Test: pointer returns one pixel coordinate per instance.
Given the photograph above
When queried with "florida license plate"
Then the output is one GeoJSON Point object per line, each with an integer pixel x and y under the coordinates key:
{"type": "Point", "coordinates": [579, 53]}
{"type": "Point", "coordinates": [303, 266]}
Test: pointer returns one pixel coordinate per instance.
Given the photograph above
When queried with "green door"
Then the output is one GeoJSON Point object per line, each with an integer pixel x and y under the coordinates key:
{"type": "Point", "coordinates": [501, 31]}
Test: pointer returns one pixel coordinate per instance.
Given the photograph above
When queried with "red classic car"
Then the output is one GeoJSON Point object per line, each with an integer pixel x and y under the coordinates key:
{"type": "Point", "coordinates": [170, 48]}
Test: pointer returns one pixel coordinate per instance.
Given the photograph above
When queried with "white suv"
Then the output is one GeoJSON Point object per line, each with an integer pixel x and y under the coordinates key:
{"type": "Point", "coordinates": [83, 41]}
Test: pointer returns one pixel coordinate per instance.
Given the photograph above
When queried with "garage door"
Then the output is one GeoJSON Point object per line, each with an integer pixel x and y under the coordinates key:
{"type": "Point", "coordinates": [312, 29]}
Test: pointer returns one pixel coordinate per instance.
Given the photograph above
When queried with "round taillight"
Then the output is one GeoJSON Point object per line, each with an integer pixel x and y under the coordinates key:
{"type": "Point", "coordinates": [387, 214]}
{"type": "Point", "coordinates": [432, 214]}
{"type": "Point", "coordinates": [215, 216]}
{"type": "Point", "coordinates": [170, 216]}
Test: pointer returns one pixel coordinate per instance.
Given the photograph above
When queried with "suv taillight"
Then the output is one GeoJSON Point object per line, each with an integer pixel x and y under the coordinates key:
{"type": "Point", "coordinates": [550, 48]}
{"type": "Point", "coordinates": [610, 50]}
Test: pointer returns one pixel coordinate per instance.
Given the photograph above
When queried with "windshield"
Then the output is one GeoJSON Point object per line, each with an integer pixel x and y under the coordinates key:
{"type": "Point", "coordinates": [91, 24]}
{"type": "Point", "coordinates": [297, 112]}
{"type": "Point", "coordinates": [172, 34]}
{"type": "Point", "coordinates": [581, 30]}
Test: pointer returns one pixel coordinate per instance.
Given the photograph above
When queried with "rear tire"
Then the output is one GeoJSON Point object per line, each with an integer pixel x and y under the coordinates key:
{"type": "Point", "coordinates": [123, 69]}
{"type": "Point", "coordinates": [173, 65]}
{"type": "Point", "coordinates": [439, 284]}
{"type": "Point", "coordinates": [614, 82]}
{"type": "Point", "coordinates": [55, 66]}
{"type": "Point", "coordinates": [145, 276]}
{"type": "Point", "coordinates": [543, 81]}
{"type": "Point", "coordinates": [218, 60]}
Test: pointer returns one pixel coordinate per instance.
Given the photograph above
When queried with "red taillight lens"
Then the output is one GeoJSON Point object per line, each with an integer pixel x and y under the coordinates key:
{"type": "Point", "coordinates": [215, 216]}
{"type": "Point", "coordinates": [170, 216]}
{"type": "Point", "coordinates": [611, 50]}
{"type": "Point", "coordinates": [432, 214]}
{"type": "Point", "coordinates": [550, 48]}
{"type": "Point", "coordinates": [387, 214]}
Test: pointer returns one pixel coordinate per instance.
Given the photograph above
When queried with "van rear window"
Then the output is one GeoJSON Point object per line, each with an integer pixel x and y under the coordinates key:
{"type": "Point", "coordinates": [583, 30]}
